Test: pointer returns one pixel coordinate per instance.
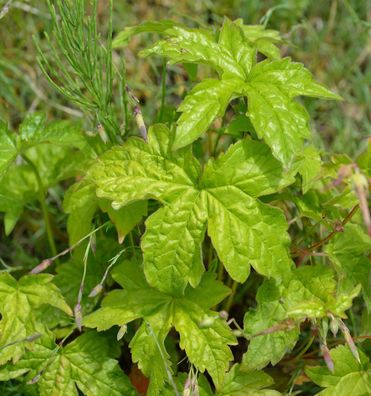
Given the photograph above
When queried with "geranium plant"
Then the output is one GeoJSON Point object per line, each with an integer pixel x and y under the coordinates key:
{"type": "Point", "coordinates": [208, 251]}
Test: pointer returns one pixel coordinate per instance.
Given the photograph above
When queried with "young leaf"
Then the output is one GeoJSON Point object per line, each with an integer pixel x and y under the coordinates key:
{"type": "Point", "coordinates": [80, 202]}
{"type": "Point", "coordinates": [148, 350]}
{"type": "Point", "coordinates": [206, 344]}
{"type": "Point", "coordinates": [246, 383]}
{"type": "Point", "coordinates": [204, 335]}
{"type": "Point", "coordinates": [268, 330]}
{"type": "Point", "coordinates": [309, 166]}
{"type": "Point", "coordinates": [209, 99]}
{"type": "Point", "coordinates": [18, 302]}
{"type": "Point", "coordinates": [313, 292]}
{"type": "Point", "coordinates": [232, 38]}
{"type": "Point", "coordinates": [273, 327]}
{"type": "Point", "coordinates": [126, 218]}
{"type": "Point", "coordinates": [281, 122]}
{"type": "Point", "coordinates": [84, 366]}
{"type": "Point", "coordinates": [145, 27]}
{"type": "Point", "coordinates": [138, 171]}
{"type": "Point", "coordinates": [264, 40]}
{"type": "Point", "coordinates": [232, 183]}
{"type": "Point", "coordinates": [172, 243]}
{"type": "Point", "coordinates": [270, 85]}
{"type": "Point", "coordinates": [249, 166]}
{"type": "Point", "coordinates": [232, 54]}
{"type": "Point", "coordinates": [348, 251]}
{"type": "Point", "coordinates": [290, 77]}
{"type": "Point", "coordinates": [247, 237]}
{"type": "Point", "coordinates": [348, 378]}
{"type": "Point", "coordinates": [196, 46]}
{"type": "Point", "coordinates": [226, 196]}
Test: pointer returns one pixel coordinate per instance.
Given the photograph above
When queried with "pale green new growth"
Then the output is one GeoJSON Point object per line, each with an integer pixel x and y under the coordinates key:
{"type": "Point", "coordinates": [273, 328]}
{"type": "Point", "coordinates": [270, 85]}
{"type": "Point", "coordinates": [84, 364]}
{"type": "Point", "coordinates": [348, 251]}
{"type": "Point", "coordinates": [18, 302]}
{"type": "Point", "coordinates": [225, 197]}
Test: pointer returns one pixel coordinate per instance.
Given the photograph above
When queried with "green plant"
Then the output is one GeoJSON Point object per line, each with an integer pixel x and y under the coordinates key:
{"type": "Point", "coordinates": [226, 225]}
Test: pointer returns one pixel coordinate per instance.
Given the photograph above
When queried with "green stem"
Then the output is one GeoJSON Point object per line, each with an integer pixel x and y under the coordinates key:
{"type": "Point", "coordinates": [48, 228]}
{"type": "Point", "coordinates": [163, 91]}
{"type": "Point", "coordinates": [216, 144]}
{"type": "Point", "coordinates": [44, 209]}
{"type": "Point", "coordinates": [220, 272]}
{"type": "Point", "coordinates": [210, 257]}
{"type": "Point", "coordinates": [306, 347]}
{"type": "Point", "coordinates": [132, 242]}
{"type": "Point", "coordinates": [125, 100]}
{"type": "Point", "coordinates": [229, 302]}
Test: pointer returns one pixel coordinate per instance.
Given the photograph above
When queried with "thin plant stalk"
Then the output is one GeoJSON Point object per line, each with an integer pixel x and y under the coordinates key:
{"type": "Point", "coordinates": [230, 299]}
{"type": "Point", "coordinates": [163, 91]}
{"type": "Point", "coordinates": [78, 308]}
{"type": "Point", "coordinates": [167, 369]}
{"type": "Point", "coordinates": [124, 98]}
{"type": "Point", "coordinates": [44, 208]}
{"type": "Point", "coordinates": [49, 261]}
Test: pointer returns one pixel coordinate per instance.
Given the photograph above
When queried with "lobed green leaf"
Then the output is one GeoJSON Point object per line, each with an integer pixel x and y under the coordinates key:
{"type": "Point", "coordinates": [349, 377]}
{"type": "Point", "coordinates": [18, 302]}
{"type": "Point", "coordinates": [239, 225]}
{"type": "Point", "coordinates": [83, 365]}
{"type": "Point", "coordinates": [203, 335]}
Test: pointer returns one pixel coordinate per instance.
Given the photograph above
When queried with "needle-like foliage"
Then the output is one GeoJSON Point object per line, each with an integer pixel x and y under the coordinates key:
{"type": "Point", "coordinates": [79, 64]}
